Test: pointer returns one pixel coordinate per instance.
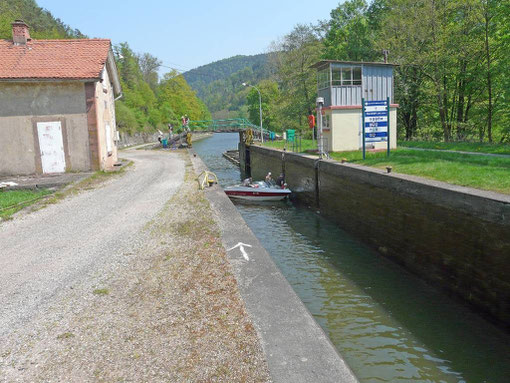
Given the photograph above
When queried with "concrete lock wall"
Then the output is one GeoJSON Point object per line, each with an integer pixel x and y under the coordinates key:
{"type": "Point", "coordinates": [25, 104]}
{"type": "Point", "coordinates": [454, 237]}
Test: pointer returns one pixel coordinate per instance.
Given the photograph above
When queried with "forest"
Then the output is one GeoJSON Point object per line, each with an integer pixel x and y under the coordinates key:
{"type": "Point", "coordinates": [149, 102]}
{"type": "Point", "coordinates": [219, 84]}
{"type": "Point", "coordinates": [452, 73]}
{"type": "Point", "coordinates": [452, 79]}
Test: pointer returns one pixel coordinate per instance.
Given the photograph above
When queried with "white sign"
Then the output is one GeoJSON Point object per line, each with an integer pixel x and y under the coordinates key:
{"type": "Point", "coordinates": [376, 121]}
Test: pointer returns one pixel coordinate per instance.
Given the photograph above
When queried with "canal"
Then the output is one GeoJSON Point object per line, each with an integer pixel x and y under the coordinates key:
{"type": "Point", "coordinates": [387, 324]}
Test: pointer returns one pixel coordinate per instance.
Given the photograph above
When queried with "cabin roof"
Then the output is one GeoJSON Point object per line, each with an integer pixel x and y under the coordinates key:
{"type": "Point", "coordinates": [324, 62]}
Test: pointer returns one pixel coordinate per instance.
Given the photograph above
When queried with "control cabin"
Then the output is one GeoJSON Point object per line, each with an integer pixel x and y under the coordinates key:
{"type": "Point", "coordinates": [343, 84]}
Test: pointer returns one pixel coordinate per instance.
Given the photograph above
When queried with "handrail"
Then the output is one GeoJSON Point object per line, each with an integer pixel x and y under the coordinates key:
{"type": "Point", "coordinates": [240, 123]}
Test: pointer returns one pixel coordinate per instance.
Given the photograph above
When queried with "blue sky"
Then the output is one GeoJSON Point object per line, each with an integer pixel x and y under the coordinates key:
{"type": "Point", "coordinates": [187, 34]}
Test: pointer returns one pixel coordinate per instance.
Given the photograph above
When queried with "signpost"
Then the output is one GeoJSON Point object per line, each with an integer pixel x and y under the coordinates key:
{"type": "Point", "coordinates": [376, 122]}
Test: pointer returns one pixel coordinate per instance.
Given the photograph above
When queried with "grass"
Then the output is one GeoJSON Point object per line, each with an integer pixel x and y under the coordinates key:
{"type": "Point", "coordinates": [101, 292]}
{"type": "Point", "coordinates": [476, 147]}
{"type": "Point", "coordinates": [12, 201]}
{"type": "Point", "coordinates": [306, 145]}
{"type": "Point", "coordinates": [486, 173]}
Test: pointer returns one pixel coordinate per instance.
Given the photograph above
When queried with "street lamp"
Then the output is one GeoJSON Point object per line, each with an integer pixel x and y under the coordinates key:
{"type": "Point", "coordinates": [260, 111]}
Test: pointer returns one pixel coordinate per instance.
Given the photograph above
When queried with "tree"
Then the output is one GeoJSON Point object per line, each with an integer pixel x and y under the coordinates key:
{"type": "Point", "coordinates": [270, 98]}
{"type": "Point", "coordinates": [149, 66]}
{"type": "Point", "coordinates": [350, 35]}
{"type": "Point", "coordinates": [290, 60]}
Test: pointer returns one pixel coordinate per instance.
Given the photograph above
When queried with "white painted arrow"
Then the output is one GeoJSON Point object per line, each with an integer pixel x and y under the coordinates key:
{"type": "Point", "coordinates": [241, 247]}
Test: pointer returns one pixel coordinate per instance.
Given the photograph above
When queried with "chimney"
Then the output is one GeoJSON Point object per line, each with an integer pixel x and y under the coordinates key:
{"type": "Point", "coordinates": [20, 34]}
{"type": "Point", "coordinates": [385, 53]}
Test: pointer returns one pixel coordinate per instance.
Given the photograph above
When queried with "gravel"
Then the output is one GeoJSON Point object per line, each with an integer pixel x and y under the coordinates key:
{"type": "Point", "coordinates": [117, 284]}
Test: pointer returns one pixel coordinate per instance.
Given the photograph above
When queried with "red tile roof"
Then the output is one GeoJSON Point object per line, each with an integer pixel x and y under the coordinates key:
{"type": "Point", "coordinates": [53, 59]}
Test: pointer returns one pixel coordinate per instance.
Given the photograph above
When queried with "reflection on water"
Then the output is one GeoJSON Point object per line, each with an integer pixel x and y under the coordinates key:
{"type": "Point", "coordinates": [388, 325]}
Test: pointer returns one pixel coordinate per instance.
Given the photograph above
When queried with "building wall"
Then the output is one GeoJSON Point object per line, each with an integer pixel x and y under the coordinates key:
{"type": "Point", "coordinates": [23, 105]}
{"type": "Point", "coordinates": [106, 119]}
{"type": "Point", "coordinates": [456, 238]}
{"type": "Point", "coordinates": [345, 134]}
{"type": "Point", "coordinates": [345, 95]}
{"type": "Point", "coordinates": [377, 82]}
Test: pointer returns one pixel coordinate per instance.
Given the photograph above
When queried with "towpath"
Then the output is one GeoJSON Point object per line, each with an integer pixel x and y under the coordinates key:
{"type": "Point", "coordinates": [47, 252]}
{"type": "Point", "coordinates": [126, 282]}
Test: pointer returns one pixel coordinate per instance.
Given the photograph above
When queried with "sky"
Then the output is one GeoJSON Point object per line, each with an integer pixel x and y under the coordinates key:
{"type": "Point", "coordinates": [189, 33]}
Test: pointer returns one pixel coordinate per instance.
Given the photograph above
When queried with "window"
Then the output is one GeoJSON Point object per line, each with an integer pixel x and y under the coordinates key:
{"type": "Point", "coordinates": [337, 76]}
{"type": "Point", "coordinates": [346, 76]}
{"type": "Point", "coordinates": [325, 121]}
{"type": "Point", "coordinates": [356, 75]}
{"type": "Point", "coordinates": [323, 78]}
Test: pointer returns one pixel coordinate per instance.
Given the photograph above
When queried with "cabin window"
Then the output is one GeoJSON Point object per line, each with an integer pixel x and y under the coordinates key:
{"type": "Point", "coordinates": [356, 75]}
{"type": "Point", "coordinates": [346, 76]}
{"type": "Point", "coordinates": [323, 78]}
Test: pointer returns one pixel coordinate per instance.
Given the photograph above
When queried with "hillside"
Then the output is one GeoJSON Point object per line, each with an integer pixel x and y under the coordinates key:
{"type": "Point", "coordinates": [42, 23]}
{"type": "Point", "coordinates": [219, 84]}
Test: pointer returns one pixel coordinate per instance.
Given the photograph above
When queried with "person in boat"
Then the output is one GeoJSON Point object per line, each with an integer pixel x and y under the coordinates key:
{"type": "Point", "coordinates": [280, 181]}
{"type": "Point", "coordinates": [269, 180]}
{"type": "Point", "coordinates": [247, 182]}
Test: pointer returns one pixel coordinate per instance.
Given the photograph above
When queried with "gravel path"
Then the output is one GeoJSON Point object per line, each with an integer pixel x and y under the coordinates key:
{"type": "Point", "coordinates": [46, 252]}
{"type": "Point", "coordinates": [121, 284]}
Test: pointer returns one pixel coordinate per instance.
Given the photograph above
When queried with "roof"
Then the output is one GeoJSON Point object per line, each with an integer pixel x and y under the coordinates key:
{"type": "Point", "coordinates": [323, 62]}
{"type": "Point", "coordinates": [79, 59]}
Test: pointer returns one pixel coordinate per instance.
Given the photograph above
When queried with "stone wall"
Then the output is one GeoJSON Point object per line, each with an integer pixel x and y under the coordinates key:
{"type": "Point", "coordinates": [454, 237]}
{"type": "Point", "coordinates": [136, 139]}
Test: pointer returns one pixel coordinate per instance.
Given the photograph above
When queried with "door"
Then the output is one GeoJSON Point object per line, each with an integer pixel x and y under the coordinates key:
{"type": "Point", "coordinates": [51, 146]}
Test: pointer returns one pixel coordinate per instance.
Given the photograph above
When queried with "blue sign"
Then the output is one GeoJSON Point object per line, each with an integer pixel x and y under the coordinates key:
{"type": "Point", "coordinates": [376, 121]}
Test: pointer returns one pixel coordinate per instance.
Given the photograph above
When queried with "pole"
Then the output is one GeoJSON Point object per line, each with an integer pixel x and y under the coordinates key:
{"type": "Point", "coordinates": [388, 111]}
{"type": "Point", "coordinates": [260, 111]}
{"type": "Point", "coordinates": [363, 124]}
{"type": "Point", "coordinates": [319, 130]}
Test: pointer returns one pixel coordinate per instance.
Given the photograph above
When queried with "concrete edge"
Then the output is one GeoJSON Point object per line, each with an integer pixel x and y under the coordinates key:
{"type": "Point", "coordinates": [487, 205]}
{"type": "Point", "coordinates": [296, 347]}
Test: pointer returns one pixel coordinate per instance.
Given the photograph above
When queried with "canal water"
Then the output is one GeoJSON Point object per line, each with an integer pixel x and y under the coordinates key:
{"type": "Point", "coordinates": [387, 324]}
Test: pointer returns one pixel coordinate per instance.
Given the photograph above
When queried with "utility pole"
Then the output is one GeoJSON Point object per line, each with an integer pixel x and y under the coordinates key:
{"type": "Point", "coordinates": [320, 141]}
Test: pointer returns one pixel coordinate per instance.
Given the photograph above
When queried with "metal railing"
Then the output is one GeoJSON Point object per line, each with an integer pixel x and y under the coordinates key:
{"type": "Point", "coordinates": [227, 124]}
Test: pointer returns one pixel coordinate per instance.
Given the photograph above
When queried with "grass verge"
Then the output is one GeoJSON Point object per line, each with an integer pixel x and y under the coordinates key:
{"type": "Point", "coordinates": [486, 173]}
{"type": "Point", "coordinates": [12, 201]}
{"type": "Point", "coordinates": [479, 172]}
{"type": "Point", "coordinates": [305, 145]}
{"type": "Point", "coordinates": [476, 147]}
